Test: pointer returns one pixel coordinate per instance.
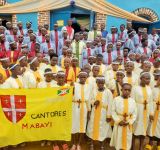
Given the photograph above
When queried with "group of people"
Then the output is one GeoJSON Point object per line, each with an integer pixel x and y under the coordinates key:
{"type": "Point", "coordinates": [116, 79]}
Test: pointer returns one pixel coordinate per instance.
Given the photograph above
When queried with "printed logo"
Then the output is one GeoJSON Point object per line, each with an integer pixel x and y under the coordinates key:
{"type": "Point", "coordinates": [63, 92]}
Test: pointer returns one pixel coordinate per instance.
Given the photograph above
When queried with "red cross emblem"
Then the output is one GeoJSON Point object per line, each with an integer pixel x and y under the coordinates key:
{"type": "Point", "coordinates": [14, 107]}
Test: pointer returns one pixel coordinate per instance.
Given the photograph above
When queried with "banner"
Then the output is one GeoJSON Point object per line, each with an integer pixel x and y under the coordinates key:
{"type": "Point", "coordinates": [35, 114]}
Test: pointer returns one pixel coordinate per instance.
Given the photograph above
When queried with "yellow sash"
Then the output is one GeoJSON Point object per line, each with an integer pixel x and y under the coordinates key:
{"type": "Point", "coordinates": [54, 69]}
{"type": "Point", "coordinates": [97, 116]}
{"type": "Point", "coordinates": [145, 97]}
{"type": "Point", "coordinates": [48, 85]}
{"type": "Point", "coordinates": [82, 128]}
{"type": "Point", "coordinates": [12, 55]}
{"type": "Point", "coordinates": [156, 115]}
{"type": "Point", "coordinates": [62, 62]}
{"type": "Point", "coordinates": [124, 129]}
{"type": "Point", "coordinates": [37, 76]}
{"type": "Point", "coordinates": [130, 80]}
{"type": "Point", "coordinates": [19, 83]}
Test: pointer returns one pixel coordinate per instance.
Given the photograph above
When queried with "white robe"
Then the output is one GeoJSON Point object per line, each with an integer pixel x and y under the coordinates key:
{"type": "Point", "coordinates": [12, 83]}
{"type": "Point", "coordinates": [121, 139]}
{"type": "Point", "coordinates": [45, 84]}
{"type": "Point", "coordinates": [142, 121]}
{"type": "Point", "coordinates": [154, 127]}
{"type": "Point", "coordinates": [80, 110]}
{"type": "Point", "coordinates": [30, 80]}
{"type": "Point", "coordinates": [100, 130]}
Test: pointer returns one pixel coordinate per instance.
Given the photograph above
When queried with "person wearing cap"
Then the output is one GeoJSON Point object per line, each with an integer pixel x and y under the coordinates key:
{"type": "Point", "coordinates": [99, 62]}
{"type": "Point", "coordinates": [75, 66]}
{"type": "Point", "coordinates": [4, 45]}
{"type": "Point", "coordinates": [93, 34]}
{"type": "Point", "coordinates": [123, 36]}
{"type": "Point", "coordinates": [54, 63]}
{"type": "Point", "coordinates": [130, 76]}
{"type": "Point", "coordinates": [69, 72]}
{"type": "Point", "coordinates": [129, 43]}
{"type": "Point", "coordinates": [77, 47]}
{"type": "Point", "coordinates": [124, 113]}
{"type": "Point", "coordinates": [14, 36]}
{"type": "Point", "coordinates": [13, 54]}
{"type": "Point", "coordinates": [69, 29]}
{"type": "Point", "coordinates": [144, 48]}
{"type": "Point", "coordinates": [27, 36]}
{"type": "Point", "coordinates": [48, 82]}
{"type": "Point", "coordinates": [86, 53]}
{"type": "Point", "coordinates": [64, 38]}
{"type": "Point", "coordinates": [113, 36]}
{"type": "Point", "coordinates": [28, 26]}
{"type": "Point", "coordinates": [81, 109]}
{"type": "Point", "coordinates": [2, 30]}
{"type": "Point", "coordinates": [143, 96]}
{"type": "Point", "coordinates": [118, 50]}
{"type": "Point", "coordinates": [156, 65]}
{"type": "Point", "coordinates": [46, 45]}
{"type": "Point", "coordinates": [108, 55]}
{"type": "Point", "coordinates": [125, 54]}
{"type": "Point", "coordinates": [102, 48]}
{"type": "Point", "coordinates": [15, 81]}
{"type": "Point", "coordinates": [33, 75]}
{"type": "Point", "coordinates": [99, 128]}
{"type": "Point", "coordinates": [91, 60]}
{"type": "Point", "coordinates": [9, 29]}
{"type": "Point", "coordinates": [22, 61]}
{"type": "Point", "coordinates": [4, 67]}
{"type": "Point", "coordinates": [153, 131]}
{"type": "Point", "coordinates": [91, 80]}
{"type": "Point", "coordinates": [138, 37]}
{"type": "Point", "coordinates": [55, 37]}
{"type": "Point", "coordinates": [154, 36]}
{"type": "Point", "coordinates": [41, 38]}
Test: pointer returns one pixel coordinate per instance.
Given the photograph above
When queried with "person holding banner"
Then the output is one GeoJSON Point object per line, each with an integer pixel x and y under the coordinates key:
{"type": "Point", "coordinates": [99, 128]}
{"type": "Point", "coordinates": [15, 81]}
{"type": "Point", "coordinates": [48, 82]}
{"type": "Point", "coordinates": [124, 112]}
{"type": "Point", "coordinates": [33, 76]}
{"type": "Point", "coordinates": [81, 109]}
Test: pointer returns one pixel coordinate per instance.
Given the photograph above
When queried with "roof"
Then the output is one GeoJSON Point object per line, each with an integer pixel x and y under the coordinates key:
{"type": "Point", "coordinates": [100, 6]}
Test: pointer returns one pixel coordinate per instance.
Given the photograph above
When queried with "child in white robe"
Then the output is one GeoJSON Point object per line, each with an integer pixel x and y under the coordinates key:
{"type": "Point", "coordinates": [124, 113]}
{"type": "Point", "coordinates": [99, 128]}
{"type": "Point", "coordinates": [48, 82]}
{"type": "Point", "coordinates": [142, 94]}
{"type": "Point", "coordinates": [80, 110]}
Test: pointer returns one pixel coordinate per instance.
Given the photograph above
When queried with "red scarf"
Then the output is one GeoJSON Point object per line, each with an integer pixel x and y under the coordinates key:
{"type": "Point", "coordinates": [69, 30]}
{"type": "Point", "coordinates": [39, 33]}
{"type": "Point", "coordinates": [118, 52]}
{"type": "Point", "coordinates": [11, 32]}
{"type": "Point", "coordinates": [43, 39]}
{"type": "Point", "coordinates": [109, 58]}
{"type": "Point", "coordinates": [15, 38]}
{"type": "Point", "coordinates": [145, 50]}
{"type": "Point", "coordinates": [49, 45]}
{"type": "Point", "coordinates": [33, 44]}
{"type": "Point", "coordinates": [103, 48]}
{"type": "Point", "coordinates": [140, 38]}
{"type": "Point", "coordinates": [121, 36]}
{"type": "Point", "coordinates": [113, 38]}
{"type": "Point", "coordinates": [7, 73]}
{"type": "Point", "coordinates": [19, 46]}
{"type": "Point", "coordinates": [89, 52]}
{"type": "Point", "coordinates": [21, 31]}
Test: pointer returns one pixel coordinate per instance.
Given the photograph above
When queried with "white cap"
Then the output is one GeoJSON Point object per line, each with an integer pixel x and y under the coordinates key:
{"type": "Point", "coordinates": [34, 59]}
{"type": "Point", "coordinates": [3, 59]}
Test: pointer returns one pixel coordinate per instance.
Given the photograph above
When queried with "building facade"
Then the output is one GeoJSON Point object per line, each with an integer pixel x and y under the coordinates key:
{"type": "Point", "coordinates": [142, 8]}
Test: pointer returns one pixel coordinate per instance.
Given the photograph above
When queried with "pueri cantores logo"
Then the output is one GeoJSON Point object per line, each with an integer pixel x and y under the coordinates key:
{"type": "Point", "coordinates": [14, 107]}
{"type": "Point", "coordinates": [63, 92]}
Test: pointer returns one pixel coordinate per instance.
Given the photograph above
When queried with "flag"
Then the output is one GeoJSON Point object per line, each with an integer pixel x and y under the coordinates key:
{"type": "Point", "coordinates": [28, 115]}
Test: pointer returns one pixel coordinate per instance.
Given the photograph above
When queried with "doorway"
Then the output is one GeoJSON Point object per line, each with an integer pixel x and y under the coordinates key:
{"type": "Point", "coordinates": [5, 19]}
{"type": "Point", "coordinates": [136, 25]}
{"type": "Point", "coordinates": [80, 19]}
